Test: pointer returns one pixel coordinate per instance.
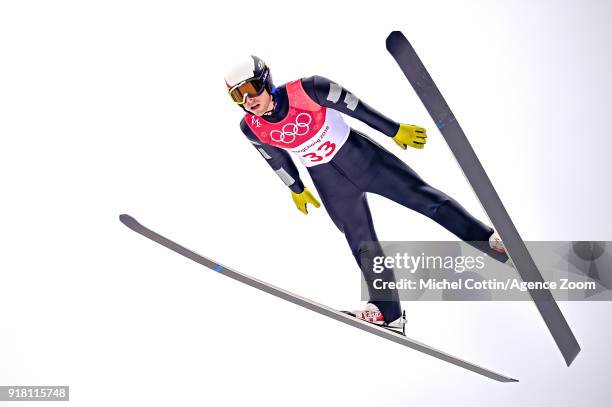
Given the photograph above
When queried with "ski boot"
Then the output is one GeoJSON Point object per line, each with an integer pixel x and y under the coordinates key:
{"type": "Point", "coordinates": [372, 314]}
{"type": "Point", "coordinates": [497, 244]}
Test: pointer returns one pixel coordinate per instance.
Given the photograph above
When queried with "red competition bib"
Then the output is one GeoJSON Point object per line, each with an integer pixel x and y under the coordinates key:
{"type": "Point", "coordinates": [314, 133]}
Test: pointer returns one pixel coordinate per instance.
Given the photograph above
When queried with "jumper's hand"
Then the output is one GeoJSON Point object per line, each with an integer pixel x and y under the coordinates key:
{"type": "Point", "coordinates": [303, 198]}
{"type": "Point", "coordinates": [409, 135]}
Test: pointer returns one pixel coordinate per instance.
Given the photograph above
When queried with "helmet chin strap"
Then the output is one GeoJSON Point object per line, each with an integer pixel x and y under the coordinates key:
{"type": "Point", "coordinates": [273, 103]}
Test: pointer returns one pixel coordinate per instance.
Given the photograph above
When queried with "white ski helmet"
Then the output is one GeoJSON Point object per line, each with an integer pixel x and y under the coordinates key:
{"type": "Point", "coordinates": [248, 77]}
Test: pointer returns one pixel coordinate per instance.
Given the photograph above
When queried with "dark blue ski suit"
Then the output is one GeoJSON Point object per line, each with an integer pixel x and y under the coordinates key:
{"type": "Point", "coordinates": [360, 166]}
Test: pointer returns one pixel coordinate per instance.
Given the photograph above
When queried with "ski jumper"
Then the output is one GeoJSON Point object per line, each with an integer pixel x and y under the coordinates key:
{"type": "Point", "coordinates": [344, 164]}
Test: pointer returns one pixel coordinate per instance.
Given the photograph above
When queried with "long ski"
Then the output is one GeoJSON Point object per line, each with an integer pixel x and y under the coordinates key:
{"type": "Point", "coordinates": [416, 73]}
{"type": "Point", "coordinates": [133, 224]}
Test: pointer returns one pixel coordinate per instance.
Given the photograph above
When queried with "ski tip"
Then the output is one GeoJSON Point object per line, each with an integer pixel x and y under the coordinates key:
{"type": "Point", "coordinates": [128, 221]}
{"type": "Point", "coordinates": [571, 356]}
{"type": "Point", "coordinates": [393, 38]}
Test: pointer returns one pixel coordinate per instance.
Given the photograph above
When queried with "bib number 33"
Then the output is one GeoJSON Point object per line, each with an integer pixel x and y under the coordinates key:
{"type": "Point", "coordinates": [325, 150]}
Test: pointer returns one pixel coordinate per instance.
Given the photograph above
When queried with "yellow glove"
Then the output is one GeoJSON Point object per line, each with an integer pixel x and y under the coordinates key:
{"type": "Point", "coordinates": [409, 135]}
{"type": "Point", "coordinates": [303, 198]}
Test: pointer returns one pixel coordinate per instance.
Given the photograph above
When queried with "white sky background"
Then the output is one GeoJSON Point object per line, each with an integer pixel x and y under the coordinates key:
{"type": "Point", "coordinates": [111, 107]}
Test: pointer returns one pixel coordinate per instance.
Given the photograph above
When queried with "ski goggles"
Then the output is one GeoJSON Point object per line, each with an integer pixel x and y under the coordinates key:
{"type": "Point", "coordinates": [250, 87]}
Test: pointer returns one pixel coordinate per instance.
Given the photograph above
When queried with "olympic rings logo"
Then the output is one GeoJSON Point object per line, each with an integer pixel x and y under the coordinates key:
{"type": "Point", "coordinates": [292, 130]}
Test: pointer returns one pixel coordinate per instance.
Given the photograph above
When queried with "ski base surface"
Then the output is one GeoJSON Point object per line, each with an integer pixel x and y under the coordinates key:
{"type": "Point", "coordinates": [398, 338]}
{"type": "Point", "coordinates": [424, 86]}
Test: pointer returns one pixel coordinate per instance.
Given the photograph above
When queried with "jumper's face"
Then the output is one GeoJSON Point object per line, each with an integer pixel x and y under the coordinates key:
{"type": "Point", "coordinates": [258, 105]}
